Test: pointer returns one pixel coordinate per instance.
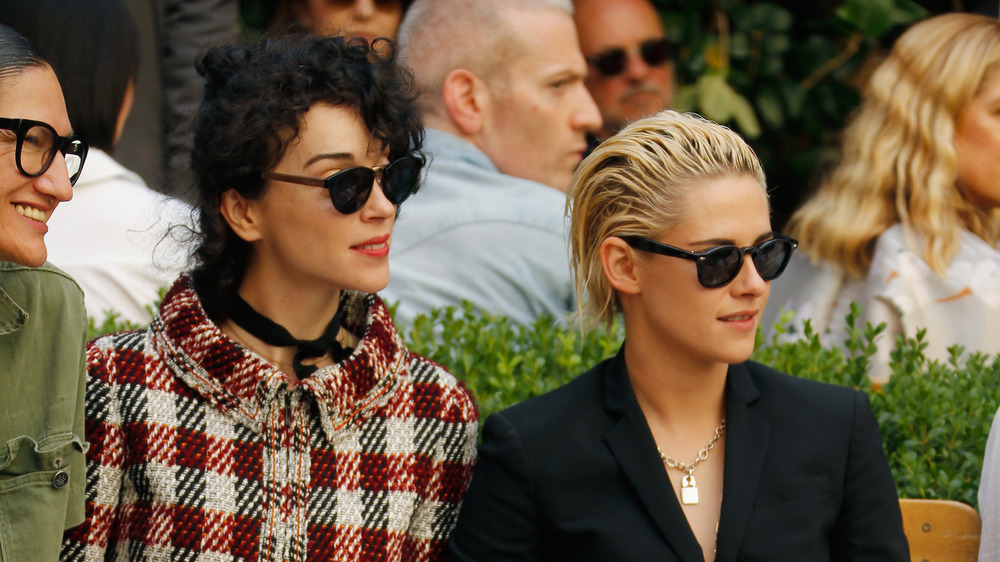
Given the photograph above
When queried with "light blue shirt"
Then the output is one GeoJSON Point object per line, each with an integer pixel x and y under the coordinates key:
{"type": "Point", "coordinates": [473, 233]}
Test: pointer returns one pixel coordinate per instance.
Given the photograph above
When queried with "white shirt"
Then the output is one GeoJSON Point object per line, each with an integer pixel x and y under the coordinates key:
{"type": "Point", "coordinates": [962, 306]}
{"type": "Point", "coordinates": [112, 238]}
{"type": "Point", "coordinates": [989, 496]}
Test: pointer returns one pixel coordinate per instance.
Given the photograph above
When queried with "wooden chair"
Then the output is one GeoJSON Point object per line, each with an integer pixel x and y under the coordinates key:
{"type": "Point", "coordinates": [941, 530]}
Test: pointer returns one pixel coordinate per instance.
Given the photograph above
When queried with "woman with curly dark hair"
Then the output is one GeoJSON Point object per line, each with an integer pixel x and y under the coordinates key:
{"type": "Point", "coordinates": [271, 411]}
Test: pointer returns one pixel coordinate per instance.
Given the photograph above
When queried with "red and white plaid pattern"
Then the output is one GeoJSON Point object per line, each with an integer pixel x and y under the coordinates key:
{"type": "Point", "coordinates": [198, 450]}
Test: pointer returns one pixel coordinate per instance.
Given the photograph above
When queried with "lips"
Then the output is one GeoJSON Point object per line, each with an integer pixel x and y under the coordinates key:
{"type": "Point", "coordinates": [742, 316]}
{"type": "Point", "coordinates": [375, 247]}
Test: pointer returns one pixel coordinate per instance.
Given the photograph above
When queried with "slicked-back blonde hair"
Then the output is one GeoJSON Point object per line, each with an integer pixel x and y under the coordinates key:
{"type": "Point", "coordinates": [635, 183]}
{"type": "Point", "coordinates": [898, 161]}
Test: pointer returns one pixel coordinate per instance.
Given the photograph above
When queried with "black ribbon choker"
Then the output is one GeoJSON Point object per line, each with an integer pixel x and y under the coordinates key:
{"type": "Point", "coordinates": [272, 333]}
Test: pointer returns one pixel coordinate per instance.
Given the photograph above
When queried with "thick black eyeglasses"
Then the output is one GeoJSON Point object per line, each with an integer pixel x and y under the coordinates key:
{"type": "Point", "coordinates": [613, 62]}
{"type": "Point", "coordinates": [37, 144]}
{"type": "Point", "coordinates": [350, 188]}
{"type": "Point", "coordinates": [719, 266]}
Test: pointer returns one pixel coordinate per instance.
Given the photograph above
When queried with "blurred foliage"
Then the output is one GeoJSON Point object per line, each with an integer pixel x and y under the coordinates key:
{"type": "Point", "coordinates": [785, 75]}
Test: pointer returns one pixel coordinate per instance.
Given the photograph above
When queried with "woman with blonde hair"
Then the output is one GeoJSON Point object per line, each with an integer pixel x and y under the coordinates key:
{"type": "Point", "coordinates": [907, 223]}
{"type": "Point", "coordinates": [679, 448]}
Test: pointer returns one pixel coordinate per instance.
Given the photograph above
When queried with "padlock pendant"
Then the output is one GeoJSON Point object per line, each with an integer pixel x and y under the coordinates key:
{"type": "Point", "coordinates": [689, 490]}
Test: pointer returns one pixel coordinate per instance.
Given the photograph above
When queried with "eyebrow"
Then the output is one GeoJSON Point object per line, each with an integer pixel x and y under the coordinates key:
{"type": "Point", "coordinates": [730, 242]}
{"type": "Point", "coordinates": [346, 156]}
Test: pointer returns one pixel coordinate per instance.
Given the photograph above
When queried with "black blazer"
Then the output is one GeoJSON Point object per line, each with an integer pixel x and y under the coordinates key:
{"type": "Point", "coordinates": [575, 475]}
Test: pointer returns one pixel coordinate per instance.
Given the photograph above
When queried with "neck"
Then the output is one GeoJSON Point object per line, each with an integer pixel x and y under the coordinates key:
{"type": "Point", "coordinates": [280, 357]}
{"type": "Point", "coordinates": [302, 310]}
{"type": "Point", "coordinates": [672, 389]}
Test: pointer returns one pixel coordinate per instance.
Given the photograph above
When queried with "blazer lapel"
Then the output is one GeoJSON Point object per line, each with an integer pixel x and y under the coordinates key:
{"type": "Point", "coordinates": [632, 445]}
{"type": "Point", "coordinates": [746, 444]}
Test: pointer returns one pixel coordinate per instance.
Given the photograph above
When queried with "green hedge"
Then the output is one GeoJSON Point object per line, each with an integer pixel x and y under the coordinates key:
{"type": "Point", "coordinates": [934, 417]}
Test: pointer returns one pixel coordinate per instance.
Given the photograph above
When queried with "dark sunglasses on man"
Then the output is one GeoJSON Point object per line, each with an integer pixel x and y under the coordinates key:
{"type": "Point", "coordinates": [718, 266]}
{"type": "Point", "coordinates": [611, 63]}
{"type": "Point", "coordinates": [350, 188]}
{"type": "Point", "coordinates": [37, 144]}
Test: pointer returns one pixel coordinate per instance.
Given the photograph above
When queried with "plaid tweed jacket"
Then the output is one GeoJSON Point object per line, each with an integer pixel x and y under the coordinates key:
{"type": "Point", "coordinates": [198, 449]}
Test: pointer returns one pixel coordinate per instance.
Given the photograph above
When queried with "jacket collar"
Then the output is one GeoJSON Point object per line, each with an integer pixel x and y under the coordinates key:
{"type": "Point", "coordinates": [632, 444]}
{"type": "Point", "coordinates": [242, 384]}
{"type": "Point", "coordinates": [12, 316]}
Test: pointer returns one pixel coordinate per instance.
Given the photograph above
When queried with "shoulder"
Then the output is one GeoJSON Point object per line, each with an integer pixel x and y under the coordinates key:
{"type": "Point", "coordinates": [118, 355]}
{"type": "Point", "coordinates": [799, 403]}
{"type": "Point", "coordinates": [576, 404]}
{"type": "Point", "coordinates": [774, 384]}
{"type": "Point", "coordinates": [46, 289]}
{"type": "Point", "coordinates": [48, 276]}
{"type": "Point", "coordinates": [437, 392]}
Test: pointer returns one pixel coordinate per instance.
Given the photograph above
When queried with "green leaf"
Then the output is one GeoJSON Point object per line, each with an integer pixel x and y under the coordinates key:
{"type": "Point", "coordinates": [873, 18]}
{"type": "Point", "coordinates": [715, 97]}
{"type": "Point", "coordinates": [686, 98]}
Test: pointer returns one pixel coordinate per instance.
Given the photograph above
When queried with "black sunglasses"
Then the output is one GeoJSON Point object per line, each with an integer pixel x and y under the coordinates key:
{"type": "Point", "coordinates": [37, 144]}
{"type": "Point", "coordinates": [613, 62]}
{"type": "Point", "coordinates": [719, 266]}
{"type": "Point", "coordinates": [350, 188]}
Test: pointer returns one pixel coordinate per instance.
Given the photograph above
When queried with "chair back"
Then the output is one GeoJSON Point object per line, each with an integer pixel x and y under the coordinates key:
{"type": "Point", "coordinates": [941, 530]}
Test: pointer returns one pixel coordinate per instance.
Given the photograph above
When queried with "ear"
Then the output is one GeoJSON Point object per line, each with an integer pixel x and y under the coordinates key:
{"type": "Point", "coordinates": [466, 99]}
{"type": "Point", "coordinates": [239, 212]}
{"type": "Point", "coordinates": [619, 264]}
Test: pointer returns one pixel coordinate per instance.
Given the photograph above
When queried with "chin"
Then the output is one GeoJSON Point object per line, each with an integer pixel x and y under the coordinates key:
{"type": "Point", "coordinates": [373, 286]}
{"type": "Point", "coordinates": [33, 259]}
{"type": "Point", "coordinates": [740, 353]}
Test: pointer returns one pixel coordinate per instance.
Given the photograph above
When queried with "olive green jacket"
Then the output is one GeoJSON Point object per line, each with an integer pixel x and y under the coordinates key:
{"type": "Point", "coordinates": [43, 331]}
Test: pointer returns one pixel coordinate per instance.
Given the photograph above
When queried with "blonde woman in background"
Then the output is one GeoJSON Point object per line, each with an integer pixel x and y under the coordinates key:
{"type": "Point", "coordinates": [907, 224]}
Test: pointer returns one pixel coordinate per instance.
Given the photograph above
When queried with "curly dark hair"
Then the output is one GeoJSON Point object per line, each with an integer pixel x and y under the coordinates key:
{"type": "Point", "coordinates": [255, 97]}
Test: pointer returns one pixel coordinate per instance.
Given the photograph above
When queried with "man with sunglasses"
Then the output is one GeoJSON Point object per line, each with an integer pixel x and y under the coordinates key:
{"type": "Point", "coordinates": [507, 112]}
{"type": "Point", "coordinates": [631, 68]}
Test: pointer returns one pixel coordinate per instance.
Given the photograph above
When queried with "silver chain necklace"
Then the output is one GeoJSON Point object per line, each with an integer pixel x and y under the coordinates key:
{"type": "Point", "coordinates": [689, 489]}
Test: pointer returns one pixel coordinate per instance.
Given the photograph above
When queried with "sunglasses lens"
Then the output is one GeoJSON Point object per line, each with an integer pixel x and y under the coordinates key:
{"type": "Point", "coordinates": [610, 63]}
{"type": "Point", "coordinates": [719, 267]}
{"type": "Point", "coordinates": [772, 257]}
{"type": "Point", "coordinates": [655, 51]}
{"type": "Point", "coordinates": [349, 189]}
{"type": "Point", "coordinates": [400, 177]}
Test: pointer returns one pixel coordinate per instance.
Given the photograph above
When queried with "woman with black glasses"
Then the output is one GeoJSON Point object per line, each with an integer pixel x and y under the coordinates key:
{"type": "Point", "coordinates": [679, 448]}
{"type": "Point", "coordinates": [43, 327]}
{"type": "Point", "coordinates": [271, 411]}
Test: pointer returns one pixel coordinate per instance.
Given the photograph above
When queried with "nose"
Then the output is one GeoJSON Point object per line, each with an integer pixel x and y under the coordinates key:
{"type": "Point", "coordinates": [364, 9]}
{"type": "Point", "coordinates": [378, 206]}
{"type": "Point", "coordinates": [748, 281]}
{"type": "Point", "coordinates": [586, 116]}
{"type": "Point", "coordinates": [636, 69]}
{"type": "Point", "coordinates": [54, 183]}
